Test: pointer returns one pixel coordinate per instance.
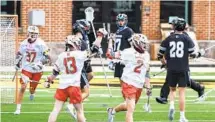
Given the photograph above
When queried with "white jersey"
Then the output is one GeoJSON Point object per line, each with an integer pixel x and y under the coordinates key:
{"type": "Point", "coordinates": [133, 72]}
{"type": "Point", "coordinates": [70, 65]}
{"type": "Point", "coordinates": [32, 53]}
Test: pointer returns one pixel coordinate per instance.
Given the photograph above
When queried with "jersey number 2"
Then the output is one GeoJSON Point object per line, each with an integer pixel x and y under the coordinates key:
{"type": "Point", "coordinates": [70, 65]}
{"type": "Point", "coordinates": [137, 68]}
{"type": "Point", "coordinates": [177, 49]}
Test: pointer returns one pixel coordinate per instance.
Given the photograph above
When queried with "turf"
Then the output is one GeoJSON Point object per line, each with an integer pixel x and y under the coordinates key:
{"type": "Point", "coordinates": [95, 108]}
{"type": "Point", "coordinates": [111, 73]}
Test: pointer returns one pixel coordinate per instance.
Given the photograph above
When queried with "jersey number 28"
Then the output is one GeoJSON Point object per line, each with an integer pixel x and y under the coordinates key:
{"type": "Point", "coordinates": [177, 49]}
{"type": "Point", "coordinates": [70, 65]}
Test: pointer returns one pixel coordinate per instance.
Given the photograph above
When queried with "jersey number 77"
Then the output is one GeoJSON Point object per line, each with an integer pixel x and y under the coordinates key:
{"type": "Point", "coordinates": [70, 65]}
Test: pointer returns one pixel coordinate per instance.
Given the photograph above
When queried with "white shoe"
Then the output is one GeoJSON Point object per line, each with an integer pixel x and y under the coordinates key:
{"type": "Point", "coordinates": [71, 110]}
{"type": "Point", "coordinates": [110, 115]}
{"type": "Point", "coordinates": [171, 114]}
{"type": "Point", "coordinates": [183, 120]}
{"type": "Point", "coordinates": [17, 112]}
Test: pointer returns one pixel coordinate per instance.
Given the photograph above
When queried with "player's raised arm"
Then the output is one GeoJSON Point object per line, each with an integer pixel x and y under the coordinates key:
{"type": "Point", "coordinates": [96, 47]}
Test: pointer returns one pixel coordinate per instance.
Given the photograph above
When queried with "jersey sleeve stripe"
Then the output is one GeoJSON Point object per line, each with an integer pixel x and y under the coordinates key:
{"type": "Point", "coordinates": [191, 49]}
{"type": "Point", "coordinates": [130, 39]}
{"type": "Point", "coordinates": [162, 48]}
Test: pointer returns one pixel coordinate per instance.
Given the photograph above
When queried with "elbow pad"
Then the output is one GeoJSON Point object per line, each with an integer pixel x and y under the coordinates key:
{"type": "Point", "coordinates": [94, 49]}
{"type": "Point", "coordinates": [55, 73]}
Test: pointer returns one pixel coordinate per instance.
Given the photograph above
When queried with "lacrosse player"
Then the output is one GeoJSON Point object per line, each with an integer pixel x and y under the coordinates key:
{"type": "Point", "coordinates": [192, 83]}
{"type": "Point", "coordinates": [122, 41]}
{"type": "Point", "coordinates": [136, 61]}
{"type": "Point", "coordinates": [30, 58]}
{"type": "Point", "coordinates": [70, 64]}
{"type": "Point", "coordinates": [81, 29]}
{"type": "Point", "coordinates": [177, 48]}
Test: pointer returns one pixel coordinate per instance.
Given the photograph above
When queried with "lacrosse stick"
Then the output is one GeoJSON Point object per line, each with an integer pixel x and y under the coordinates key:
{"type": "Point", "coordinates": [159, 73]}
{"type": "Point", "coordinates": [14, 75]}
{"type": "Point", "coordinates": [90, 17]}
{"type": "Point", "coordinates": [147, 106]}
{"type": "Point", "coordinates": [32, 81]}
{"type": "Point", "coordinates": [204, 96]}
{"type": "Point", "coordinates": [209, 47]}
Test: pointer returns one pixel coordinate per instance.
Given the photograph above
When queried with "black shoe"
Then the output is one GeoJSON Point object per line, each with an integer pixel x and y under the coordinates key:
{"type": "Point", "coordinates": [201, 91]}
{"type": "Point", "coordinates": [161, 100]}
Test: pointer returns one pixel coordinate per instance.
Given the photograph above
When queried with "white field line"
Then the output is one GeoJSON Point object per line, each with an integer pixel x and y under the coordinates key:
{"type": "Point", "coordinates": [118, 96]}
{"type": "Point", "coordinates": [111, 77]}
{"type": "Point", "coordinates": [99, 112]}
{"type": "Point", "coordinates": [96, 103]}
{"type": "Point", "coordinates": [113, 88]}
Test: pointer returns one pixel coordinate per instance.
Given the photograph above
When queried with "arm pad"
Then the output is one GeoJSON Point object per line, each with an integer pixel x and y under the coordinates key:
{"type": "Point", "coordinates": [55, 73]}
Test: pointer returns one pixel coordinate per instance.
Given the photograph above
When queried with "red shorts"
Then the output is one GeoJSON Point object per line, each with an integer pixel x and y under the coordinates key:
{"type": "Point", "coordinates": [71, 92]}
{"type": "Point", "coordinates": [129, 91]}
{"type": "Point", "coordinates": [35, 77]}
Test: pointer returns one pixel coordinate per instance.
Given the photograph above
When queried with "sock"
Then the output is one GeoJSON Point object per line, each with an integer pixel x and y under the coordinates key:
{"type": "Point", "coordinates": [18, 106]}
{"type": "Point", "coordinates": [113, 111]}
{"type": "Point", "coordinates": [182, 114]}
{"type": "Point", "coordinates": [171, 105]}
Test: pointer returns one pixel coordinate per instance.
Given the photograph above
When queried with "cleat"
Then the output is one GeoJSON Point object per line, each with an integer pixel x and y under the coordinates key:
{"type": "Point", "coordinates": [201, 91]}
{"type": "Point", "coordinates": [17, 112]}
{"type": "Point", "coordinates": [171, 114]}
{"type": "Point", "coordinates": [161, 100]}
{"type": "Point", "coordinates": [71, 110]}
{"type": "Point", "coordinates": [110, 115]}
{"type": "Point", "coordinates": [31, 97]}
{"type": "Point", "coordinates": [183, 120]}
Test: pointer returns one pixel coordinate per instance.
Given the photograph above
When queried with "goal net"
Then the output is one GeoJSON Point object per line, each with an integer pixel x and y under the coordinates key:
{"type": "Point", "coordinates": [8, 48]}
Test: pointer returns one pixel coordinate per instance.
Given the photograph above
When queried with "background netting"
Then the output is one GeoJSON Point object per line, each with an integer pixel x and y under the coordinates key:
{"type": "Point", "coordinates": [8, 27]}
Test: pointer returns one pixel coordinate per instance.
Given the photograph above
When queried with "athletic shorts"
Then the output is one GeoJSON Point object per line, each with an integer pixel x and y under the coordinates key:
{"type": "Point", "coordinates": [130, 91]}
{"type": "Point", "coordinates": [35, 77]}
{"type": "Point", "coordinates": [84, 81]}
{"type": "Point", "coordinates": [118, 70]}
{"type": "Point", "coordinates": [71, 92]}
{"type": "Point", "coordinates": [177, 78]}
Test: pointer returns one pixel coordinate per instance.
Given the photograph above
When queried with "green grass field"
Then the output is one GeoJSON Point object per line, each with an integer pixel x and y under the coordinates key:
{"type": "Point", "coordinates": [95, 108]}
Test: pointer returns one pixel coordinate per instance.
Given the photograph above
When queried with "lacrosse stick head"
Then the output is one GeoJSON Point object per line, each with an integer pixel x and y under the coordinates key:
{"type": "Point", "coordinates": [147, 108]}
{"type": "Point", "coordinates": [89, 14]}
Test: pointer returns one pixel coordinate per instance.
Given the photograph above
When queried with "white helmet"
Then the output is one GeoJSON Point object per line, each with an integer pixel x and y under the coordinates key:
{"type": "Point", "coordinates": [73, 41]}
{"type": "Point", "coordinates": [140, 42]}
{"type": "Point", "coordinates": [33, 33]}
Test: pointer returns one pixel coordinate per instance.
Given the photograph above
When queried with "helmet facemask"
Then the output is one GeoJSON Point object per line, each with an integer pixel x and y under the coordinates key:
{"type": "Point", "coordinates": [121, 20]}
{"type": "Point", "coordinates": [32, 37]}
{"type": "Point", "coordinates": [33, 33]}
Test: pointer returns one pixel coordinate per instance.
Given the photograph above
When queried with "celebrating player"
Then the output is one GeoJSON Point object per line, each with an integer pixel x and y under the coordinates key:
{"type": "Point", "coordinates": [177, 47]}
{"type": "Point", "coordinates": [136, 61]}
{"type": "Point", "coordinates": [122, 41]}
{"type": "Point", "coordinates": [70, 64]}
{"type": "Point", "coordinates": [81, 28]}
{"type": "Point", "coordinates": [32, 55]}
